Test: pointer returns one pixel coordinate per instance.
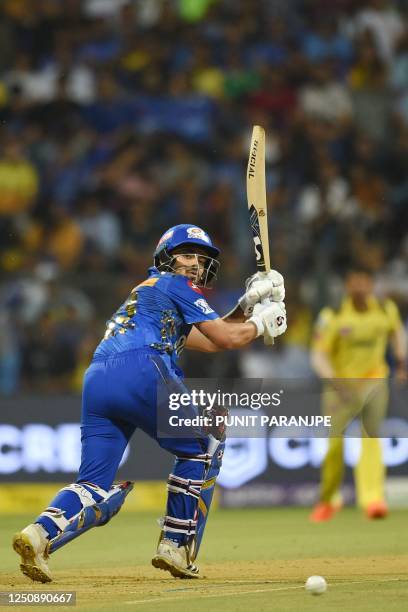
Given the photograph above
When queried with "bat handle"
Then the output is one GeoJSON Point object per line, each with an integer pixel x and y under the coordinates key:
{"type": "Point", "coordinates": [268, 340]}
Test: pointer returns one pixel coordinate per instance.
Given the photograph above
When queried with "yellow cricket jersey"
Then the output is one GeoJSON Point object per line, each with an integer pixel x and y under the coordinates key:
{"type": "Point", "coordinates": [355, 341]}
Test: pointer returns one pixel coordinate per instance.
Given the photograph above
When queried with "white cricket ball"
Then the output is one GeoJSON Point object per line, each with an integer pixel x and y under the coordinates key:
{"type": "Point", "coordinates": [316, 585]}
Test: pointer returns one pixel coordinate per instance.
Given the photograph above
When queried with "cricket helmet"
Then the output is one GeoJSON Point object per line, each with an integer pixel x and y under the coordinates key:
{"type": "Point", "coordinates": [185, 235]}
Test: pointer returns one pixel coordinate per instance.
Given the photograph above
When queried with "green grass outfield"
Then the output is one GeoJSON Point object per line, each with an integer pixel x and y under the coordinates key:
{"type": "Point", "coordinates": [250, 559]}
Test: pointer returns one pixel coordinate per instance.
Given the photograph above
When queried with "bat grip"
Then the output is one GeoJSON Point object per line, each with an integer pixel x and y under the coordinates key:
{"type": "Point", "coordinates": [268, 340]}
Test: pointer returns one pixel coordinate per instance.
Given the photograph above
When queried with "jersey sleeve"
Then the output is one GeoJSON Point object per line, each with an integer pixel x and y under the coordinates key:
{"type": "Point", "coordinates": [394, 317]}
{"type": "Point", "coordinates": [190, 301]}
{"type": "Point", "coordinates": [325, 331]}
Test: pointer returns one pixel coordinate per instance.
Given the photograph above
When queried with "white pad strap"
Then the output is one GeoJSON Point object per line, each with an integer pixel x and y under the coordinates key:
{"type": "Point", "coordinates": [170, 523]}
{"type": "Point", "coordinates": [85, 497]}
{"type": "Point", "coordinates": [204, 458]}
{"type": "Point", "coordinates": [57, 517]}
{"type": "Point", "coordinates": [175, 484]}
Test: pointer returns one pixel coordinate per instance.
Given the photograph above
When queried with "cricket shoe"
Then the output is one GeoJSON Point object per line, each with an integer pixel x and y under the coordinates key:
{"type": "Point", "coordinates": [174, 559]}
{"type": "Point", "coordinates": [31, 544]}
{"type": "Point", "coordinates": [323, 511]}
{"type": "Point", "coordinates": [377, 510]}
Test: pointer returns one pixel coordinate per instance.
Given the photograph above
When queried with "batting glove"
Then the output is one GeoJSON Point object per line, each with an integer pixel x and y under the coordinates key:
{"type": "Point", "coordinates": [269, 319]}
{"type": "Point", "coordinates": [262, 286]}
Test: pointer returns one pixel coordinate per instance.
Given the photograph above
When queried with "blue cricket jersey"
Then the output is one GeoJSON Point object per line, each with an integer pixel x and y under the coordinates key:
{"type": "Point", "coordinates": [158, 314]}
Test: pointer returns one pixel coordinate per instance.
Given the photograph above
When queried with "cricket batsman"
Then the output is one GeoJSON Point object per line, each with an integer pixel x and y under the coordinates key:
{"type": "Point", "coordinates": [139, 351]}
{"type": "Point", "coordinates": [351, 343]}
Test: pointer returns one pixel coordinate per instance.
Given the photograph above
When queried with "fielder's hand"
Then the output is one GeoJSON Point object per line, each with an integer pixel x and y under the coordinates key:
{"type": "Point", "coordinates": [269, 319]}
{"type": "Point", "coordinates": [262, 286]}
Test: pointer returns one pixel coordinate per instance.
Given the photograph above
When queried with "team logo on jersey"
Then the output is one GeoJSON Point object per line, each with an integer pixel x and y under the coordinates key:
{"type": "Point", "coordinates": [204, 306]}
{"type": "Point", "coordinates": [166, 236]}
{"type": "Point", "coordinates": [197, 233]}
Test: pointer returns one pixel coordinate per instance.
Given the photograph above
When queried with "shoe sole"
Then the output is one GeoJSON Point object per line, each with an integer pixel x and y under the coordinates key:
{"type": "Point", "coordinates": [164, 564]}
{"type": "Point", "coordinates": [24, 548]}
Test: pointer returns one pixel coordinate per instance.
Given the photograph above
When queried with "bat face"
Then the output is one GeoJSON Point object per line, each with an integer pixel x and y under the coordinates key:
{"type": "Point", "coordinates": [256, 194]}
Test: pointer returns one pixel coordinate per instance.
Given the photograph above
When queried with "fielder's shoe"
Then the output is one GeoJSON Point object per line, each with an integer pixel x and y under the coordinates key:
{"type": "Point", "coordinates": [31, 545]}
{"type": "Point", "coordinates": [174, 559]}
{"type": "Point", "coordinates": [323, 511]}
{"type": "Point", "coordinates": [377, 510]}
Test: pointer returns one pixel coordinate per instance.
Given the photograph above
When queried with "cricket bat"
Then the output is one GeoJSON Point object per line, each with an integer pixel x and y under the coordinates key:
{"type": "Point", "coordinates": [256, 196]}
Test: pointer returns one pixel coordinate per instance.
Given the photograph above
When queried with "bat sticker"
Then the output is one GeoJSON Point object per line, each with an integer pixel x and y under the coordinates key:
{"type": "Point", "coordinates": [252, 160]}
{"type": "Point", "coordinates": [253, 215]}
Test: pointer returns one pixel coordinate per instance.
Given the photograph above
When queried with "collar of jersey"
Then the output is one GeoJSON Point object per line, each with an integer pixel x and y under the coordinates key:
{"type": "Point", "coordinates": [348, 305]}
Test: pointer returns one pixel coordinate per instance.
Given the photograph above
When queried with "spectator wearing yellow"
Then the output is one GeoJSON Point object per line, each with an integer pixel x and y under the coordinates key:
{"type": "Point", "coordinates": [63, 239]}
{"type": "Point", "coordinates": [18, 180]}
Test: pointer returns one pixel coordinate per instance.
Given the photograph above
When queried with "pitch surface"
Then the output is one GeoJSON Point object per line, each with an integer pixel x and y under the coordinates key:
{"type": "Point", "coordinates": [250, 559]}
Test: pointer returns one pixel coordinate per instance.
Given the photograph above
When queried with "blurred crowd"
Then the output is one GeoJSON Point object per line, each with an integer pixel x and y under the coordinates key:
{"type": "Point", "coordinates": [120, 118]}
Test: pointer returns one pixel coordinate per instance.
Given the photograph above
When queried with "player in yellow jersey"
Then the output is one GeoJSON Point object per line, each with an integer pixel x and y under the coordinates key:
{"type": "Point", "coordinates": [351, 343]}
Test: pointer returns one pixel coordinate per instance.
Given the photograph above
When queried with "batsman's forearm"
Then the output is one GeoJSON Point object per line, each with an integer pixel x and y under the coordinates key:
{"type": "Point", "coordinates": [241, 334]}
{"type": "Point", "coordinates": [196, 341]}
{"type": "Point", "coordinates": [228, 336]}
{"type": "Point", "coordinates": [235, 315]}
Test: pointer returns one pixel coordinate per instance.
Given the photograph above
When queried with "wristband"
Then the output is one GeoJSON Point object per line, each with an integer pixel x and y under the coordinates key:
{"type": "Point", "coordinates": [257, 321]}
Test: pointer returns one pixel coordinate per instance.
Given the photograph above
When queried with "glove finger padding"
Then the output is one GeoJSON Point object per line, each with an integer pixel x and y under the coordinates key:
{"type": "Point", "coordinates": [275, 278]}
{"type": "Point", "coordinates": [262, 286]}
{"type": "Point", "coordinates": [261, 290]}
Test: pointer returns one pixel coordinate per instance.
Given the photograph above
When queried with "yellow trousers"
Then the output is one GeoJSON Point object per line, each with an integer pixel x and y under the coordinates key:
{"type": "Point", "coordinates": [369, 406]}
{"type": "Point", "coordinates": [369, 473]}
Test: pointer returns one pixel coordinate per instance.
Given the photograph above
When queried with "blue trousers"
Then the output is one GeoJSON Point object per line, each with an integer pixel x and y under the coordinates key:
{"type": "Point", "coordinates": [120, 394]}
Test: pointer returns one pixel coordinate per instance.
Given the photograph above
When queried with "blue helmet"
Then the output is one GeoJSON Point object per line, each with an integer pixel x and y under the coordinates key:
{"type": "Point", "coordinates": [186, 234]}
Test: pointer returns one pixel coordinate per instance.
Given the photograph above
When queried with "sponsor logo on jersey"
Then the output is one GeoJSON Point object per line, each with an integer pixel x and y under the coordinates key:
{"type": "Point", "coordinates": [194, 287]}
{"type": "Point", "coordinates": [197, 233]}
{"type": "Point", "coordinates": [204, 306]}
